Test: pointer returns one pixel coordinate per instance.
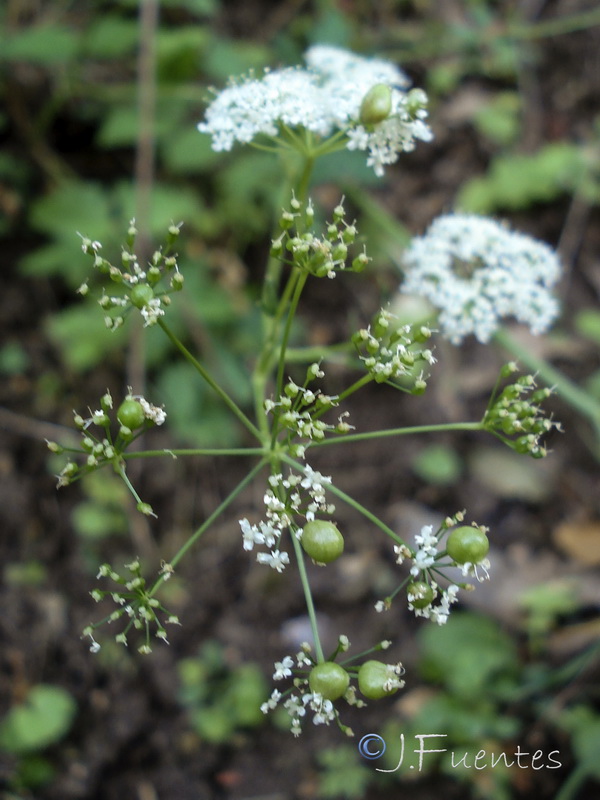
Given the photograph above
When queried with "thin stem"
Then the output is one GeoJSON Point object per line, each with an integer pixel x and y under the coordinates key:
{"type": "Point", "coordinates": [286, 331]}
{"type": "Point", "coordinates": [358, 437]}
{"type": "Point", "coordinates": [578, 398]}
{"type": "Point", "coordinates": [209, 521]}
{"type": "Point", "coordinates": [310, 606]}
{"type": "Point", "coordinates": [214, 451]}
{"type": "Point", "coordinates": [231, 404]}
{"type": "Point", "coordinates": [350, 501]}
{"type": "Point", "coordinates": [127, 482]}
{"type": "Point", "coordinates": [333, 353]}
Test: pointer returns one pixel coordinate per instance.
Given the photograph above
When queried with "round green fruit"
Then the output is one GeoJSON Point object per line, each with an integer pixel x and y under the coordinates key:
{"type": "Point", "coordinates": [141, 294]}
{"type": "Point", "coordinates": [322, 541]}
{"type": "Point", "coordinates": [421, 592]}
{"type": "Point", "coordinates": [329, 680]}
{"type": "Point", "coordinates": [131, 414]}
{"type": "Point", "coordinates": [372, 676]}
{"type": "Point", "coordinates": [376, 104]}
{"type": "Point", "coordinates": [467, 545]}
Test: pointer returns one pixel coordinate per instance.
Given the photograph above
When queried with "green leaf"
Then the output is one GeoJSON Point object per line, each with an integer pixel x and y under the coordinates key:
{"type": "Point", "coordinates": [41, 44]}
{"type": "Point", "coordinates": [438, 464]}
{"type": "Point", "coordinates": [586, 746]}
{"type": "Point", "coordinates": [587, 323]}
{"type": "Point", "coordinates": [179, 52]}
{"type": "Point", "coordinates": [189, 151]}
{"type": "Point", "coordinates": [81, 336]}
{"type": "Point", "coordinates": [110, 37]}
{"type": "Point", "coordinates": [342, 775]}
{"type": "Point", "coordinates": [13, 359]}
{"type": "Point", "coordinates": [467, 654]}
{"type": "Point", "coordinates": [73, 206]}
{"type": "Point", "coordinates": [517, 181]}
{"type": "Point", "coordinates": [225, 58]}
{"type": "Point", "coordinates": [43, 719]}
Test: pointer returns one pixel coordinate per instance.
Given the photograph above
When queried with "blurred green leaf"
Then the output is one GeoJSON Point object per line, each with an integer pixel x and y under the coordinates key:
{"type": "Point", "coordinates": [43, 44]}
{"type": "Point", "coordinates": [438, 464]}
{"type": "Point", "coordinates": [13, 359]}
{"type": "Point", "coordinates": [342, 775]}
{"type": "Point", "coordinates": [518, 181]}
{"type": "Point", "coordinates": [42, 719]}
{"type": "Point", "coordinates": [587, 323]}
{"type": "Point", "coordinates": [499, 120]}
{"type": "Point", "coordinates": [110, 37]}
{"type": "Point", "coordinates": [81, 336]}
{"type": "Point", "coordinates": [467, 654]}
{"type": "Point", "coordinates": [224, 59]}
{"type": "Point", "coordinates": [189, 151]}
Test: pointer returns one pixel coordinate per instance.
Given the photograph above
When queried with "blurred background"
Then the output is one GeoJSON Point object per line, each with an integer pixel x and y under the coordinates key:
{"type": "Point", "coordinates": [98, 114]}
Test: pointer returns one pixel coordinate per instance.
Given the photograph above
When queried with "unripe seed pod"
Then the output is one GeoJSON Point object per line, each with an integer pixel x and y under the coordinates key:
{"type": "Point", "coordinates": [376, 104]}
{"type": "Point", "coordinates": [141, 294]}
{"type": "Point", "coordinates": [322, 541]}
{"type": "Point", "coordinates": [372, 677]}
{"type": "Point", "coordinates": [467, 545]}
{"type": "Point", "coordinates": [131, 414]}
{"type": "Point", "coordinates": [329, 679]}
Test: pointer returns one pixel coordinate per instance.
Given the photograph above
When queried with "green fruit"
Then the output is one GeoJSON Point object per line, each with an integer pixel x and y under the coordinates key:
{"type": "Point", "coordinates": [467, 545]}
{"type": "Point", "coordinates": [141, 294]}
{"type": "Point", "coordinates": [421, 592]}
{"type": "Point", "coordinates": [372, 676]}
{"type": "Point", "coordinates": [376, 104]}
{"type": "Point", "coordinates": [329, 680]}
{"type": "Point", "coordinates": [322, 541]}
{"type": "Point", "coordinates": [131, 414]}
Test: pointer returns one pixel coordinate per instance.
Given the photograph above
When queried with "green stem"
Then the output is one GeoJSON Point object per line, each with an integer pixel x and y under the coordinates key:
{"type": "Point", "coordinates": [577, 398]}
{"type": "Point", "coordinates": [333, 353]}
{"type": "Point", "coordinates": [350, 501]}
{"type": "Point", "coordinates": [119, 468]}
{"type": "Point", "coordinates": [209, 521]}
{"type": "Point", "coordinates": [358, 437]}
{"type": "Point", "coordinates": [232, 451]}
{"type": "Point", "coordinates": [556, 27]}
{"type": "Point", "coordinates": [233, 407]}
{"type": "Point", "coordinates": [310, 606]}
{"type": "Point", "coordinates": [571, 786]}
{"type": "Point", "coordinates": [301, 281]}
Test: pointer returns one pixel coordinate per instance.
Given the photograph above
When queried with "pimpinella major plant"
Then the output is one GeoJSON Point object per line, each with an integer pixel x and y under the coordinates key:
{"type": "Point", "coordinates": [339, 101]}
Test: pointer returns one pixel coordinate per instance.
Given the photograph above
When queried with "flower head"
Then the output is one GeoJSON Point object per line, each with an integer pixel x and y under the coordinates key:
{"type": "Point", "coordinates": [323, 99]}
{"type": "Point", "coordinates": [477, 271]}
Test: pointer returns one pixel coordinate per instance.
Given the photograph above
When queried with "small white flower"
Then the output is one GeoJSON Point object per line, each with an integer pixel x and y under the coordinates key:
{"type": "Point", "coordinates": [476, 272]}
{"type": "Point", "coordinates": [283, 668]}
{"type": "Point", "coordinates": [275, 559]}
{"type": "Point", "coordinates": [152, 311]}
{"type": "Point", "coordinates": [154, 413]}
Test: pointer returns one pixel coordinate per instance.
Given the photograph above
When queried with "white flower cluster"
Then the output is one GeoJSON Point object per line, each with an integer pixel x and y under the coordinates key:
{"type": "Point", "coordinates": [297, 706]}
{"type": "Point", "coordinates": [304, 495]}
{"type": "Point", "coordinates": [323, 710]}
{"type": "Point", "coordinates": [423, 591]}
{"type": "Point", "coordinates": [323, 99]}
{"type": "Point", "coordinates": [155, 414]}
{"type": "Point", "coordinates": [477, 271]}
{"type": "Point", "coordinates": [440, 612]}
